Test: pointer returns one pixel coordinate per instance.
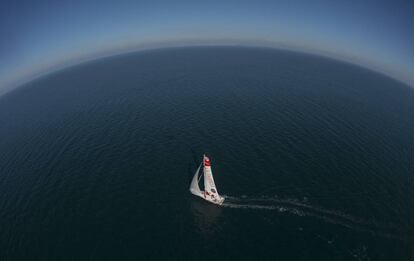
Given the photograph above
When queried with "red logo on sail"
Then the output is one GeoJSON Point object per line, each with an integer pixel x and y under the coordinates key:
{"type": "Point", "coordinates": [207, 162]}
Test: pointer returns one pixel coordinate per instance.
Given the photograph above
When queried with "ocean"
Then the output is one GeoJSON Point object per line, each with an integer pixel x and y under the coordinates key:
{"type": "Point", "coordinates": [314, 156]}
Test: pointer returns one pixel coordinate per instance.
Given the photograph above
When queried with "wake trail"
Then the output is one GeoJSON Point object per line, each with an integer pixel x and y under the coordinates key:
{"type": "Point", "coordinates": [304, 209]}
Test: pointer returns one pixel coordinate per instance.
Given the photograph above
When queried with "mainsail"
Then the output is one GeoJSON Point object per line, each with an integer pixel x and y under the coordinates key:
{"type": "Point", "coordinates": [210, 189]}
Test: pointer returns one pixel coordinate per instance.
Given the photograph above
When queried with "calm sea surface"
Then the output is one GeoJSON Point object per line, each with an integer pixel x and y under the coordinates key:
{"type": "Point", "coordinates": [315, 157]}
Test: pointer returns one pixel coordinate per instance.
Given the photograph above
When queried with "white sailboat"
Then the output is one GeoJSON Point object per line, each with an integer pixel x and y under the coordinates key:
{"type": "Point", "coordinates": [210, 192]}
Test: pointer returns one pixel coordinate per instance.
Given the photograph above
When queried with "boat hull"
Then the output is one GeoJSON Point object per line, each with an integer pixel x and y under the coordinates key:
{"type": "Point", "coordinates": [201, 195]}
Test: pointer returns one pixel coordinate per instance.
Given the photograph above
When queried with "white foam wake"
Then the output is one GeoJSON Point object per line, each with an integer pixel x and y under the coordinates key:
{"type": "Point", "coordinates": [303, 208]}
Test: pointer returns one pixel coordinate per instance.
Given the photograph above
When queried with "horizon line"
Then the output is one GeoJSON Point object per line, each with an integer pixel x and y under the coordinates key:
{"type": "Point", "coordinates": [83, 59]}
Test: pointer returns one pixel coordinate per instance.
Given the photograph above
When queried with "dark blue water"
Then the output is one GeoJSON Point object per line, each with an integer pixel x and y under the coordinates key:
{"type": "Point", "coordinates": [316, 158]}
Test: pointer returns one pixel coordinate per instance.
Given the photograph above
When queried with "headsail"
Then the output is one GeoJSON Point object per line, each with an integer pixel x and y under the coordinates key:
{"type": "Point", "coordinates": [194, 188]}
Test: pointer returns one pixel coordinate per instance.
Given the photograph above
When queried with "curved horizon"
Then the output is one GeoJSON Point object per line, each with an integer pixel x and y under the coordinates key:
{"type": "Point", "coordinates": [44, 37]}
{"type": "Point", "coordinates": [160, 46]}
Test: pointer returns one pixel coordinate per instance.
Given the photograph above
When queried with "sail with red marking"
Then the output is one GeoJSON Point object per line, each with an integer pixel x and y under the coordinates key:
{"type": "Point", "coordinates": [210, 189]}
{"type": "Point", "coordinates": [210, 192]}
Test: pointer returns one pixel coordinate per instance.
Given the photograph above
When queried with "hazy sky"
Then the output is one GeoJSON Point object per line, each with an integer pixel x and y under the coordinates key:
{"type": "Point", "coordinates": [37, 37]}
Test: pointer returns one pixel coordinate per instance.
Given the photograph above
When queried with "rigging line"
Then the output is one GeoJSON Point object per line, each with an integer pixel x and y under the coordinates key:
{"type": "Point", "coordinates": [199, 176]}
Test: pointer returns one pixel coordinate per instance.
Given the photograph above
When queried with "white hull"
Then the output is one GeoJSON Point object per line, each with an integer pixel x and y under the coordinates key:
{"type": "Point", "coordinates": [201, 195]}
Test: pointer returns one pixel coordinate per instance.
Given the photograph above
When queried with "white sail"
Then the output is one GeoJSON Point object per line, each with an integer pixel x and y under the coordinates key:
{"type": "Point", "coordinates": [210, 190]}
{"type": "Point", "coordinates": [194, 188]}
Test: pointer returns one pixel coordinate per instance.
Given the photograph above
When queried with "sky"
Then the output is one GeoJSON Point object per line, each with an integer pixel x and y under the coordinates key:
{"type": "Point", "coordinates": [39, 37]}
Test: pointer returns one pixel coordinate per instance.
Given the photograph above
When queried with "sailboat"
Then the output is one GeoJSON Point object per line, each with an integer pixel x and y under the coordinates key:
{"type": "Point", "coordinates": [210, 192]}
